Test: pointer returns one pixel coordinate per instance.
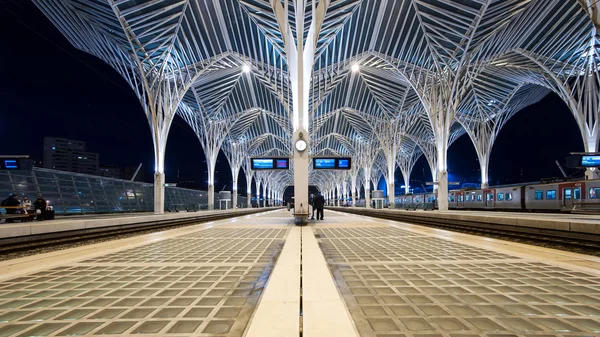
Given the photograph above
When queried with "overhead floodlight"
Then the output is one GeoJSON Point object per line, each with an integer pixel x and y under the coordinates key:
{"type": "Point", "coordinates": [246, 68]}
{"type": "Point", "coordinates": [355, 67]}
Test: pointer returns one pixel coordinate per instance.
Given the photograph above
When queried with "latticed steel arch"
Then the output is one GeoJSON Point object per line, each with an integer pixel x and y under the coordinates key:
{"type": "Point", "coordinates": [407, 76]}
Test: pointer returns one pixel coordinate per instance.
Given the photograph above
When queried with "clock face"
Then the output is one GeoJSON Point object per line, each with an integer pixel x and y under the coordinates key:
{"type": "Point", "coordinates": [301, 145]}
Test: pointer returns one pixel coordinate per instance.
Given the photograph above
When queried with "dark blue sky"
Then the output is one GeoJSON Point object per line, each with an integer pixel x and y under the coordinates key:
{"type": "Point", "coordinates": [48, 88]}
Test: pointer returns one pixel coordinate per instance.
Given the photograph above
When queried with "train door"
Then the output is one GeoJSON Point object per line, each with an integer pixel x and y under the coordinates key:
{"type": "Point", "coordinates": [489, 198]}
{"type": "Point", "coordinates": [460, 200]}
{"type": "Point", "coordinates": [571, 195]}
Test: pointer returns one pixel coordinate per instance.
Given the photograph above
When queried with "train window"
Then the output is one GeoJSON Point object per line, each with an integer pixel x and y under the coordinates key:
{"type": "Point", "coordinates": [451, 198]}
{"type": "Point", "coordinates": [594, 192]}
{"type": "Point", "coordinates": [577, 193]}
{"type": "Point", "coordinates": [551, 194]}
{"type": "Point", "coordinates": [501, 196]}
{"type": "Point", "coordinates": [489, 197]}
{"type": "Point", "coordinates": [468, 197]}
{"type": "Point", "coordinates": [478, 197]}
{"type": "Point", "coordinates": [508, 196]}
{"type": "Point", "coordinates": [539, 195]}
{"type": "Point", "coordinates": [460, 198]}
{"type": "Point", "coordinates": [568, 192]}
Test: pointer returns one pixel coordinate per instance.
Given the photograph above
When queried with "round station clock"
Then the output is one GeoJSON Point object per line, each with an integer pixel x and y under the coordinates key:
{"type": "Point", "coordinates": [301, 145]}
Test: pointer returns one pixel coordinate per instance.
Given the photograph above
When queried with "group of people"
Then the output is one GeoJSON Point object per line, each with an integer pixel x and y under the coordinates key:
{"type": "Point", "coordinates": [12, 202]}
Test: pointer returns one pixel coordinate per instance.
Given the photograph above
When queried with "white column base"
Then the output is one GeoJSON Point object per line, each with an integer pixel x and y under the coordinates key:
{"type": "Point", "coordinates": [211, 197]}
{"type": "Point", "coordinates": [159, 193]}
{"type": "Point", "coordinates": [442, 190]}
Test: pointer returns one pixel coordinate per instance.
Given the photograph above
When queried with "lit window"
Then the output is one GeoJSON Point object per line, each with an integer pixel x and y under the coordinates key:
{"type": "Point", "coordinates": [500, 196]}
{"type": "Point", "coordinates": [508, 196]}
{"type": "Point", "coordinates": [577, 193]}
{"type": "Point", "coordinates": [551, 194]}
{"type": "Point", "coordinates": [568, 194]}
{"type": "Point", "coordinates": [489, 196]}
{"type": "Point", "coordinates": [478, 197]}
{"type": "Point", "coordinates": [54, 148]}
{"type": "Point", "coordinates": [539, 195]}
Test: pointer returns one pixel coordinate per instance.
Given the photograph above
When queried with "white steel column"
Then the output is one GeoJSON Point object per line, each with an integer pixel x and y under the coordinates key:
{"type": "Point", "coordinates": [300, 58]}
{"type": "Point", "coordinates": [390, 181]}
{"type": "Point", "coordinates": [368, 188]}
{"type": "Point", "coordinates": [353, 190]}
{"type": "Point", "coordinates": [235, 173]}
{"type": "Point", "coordinates": [258, 192]}
{"type": "Point", "coordinates": [265, 194]}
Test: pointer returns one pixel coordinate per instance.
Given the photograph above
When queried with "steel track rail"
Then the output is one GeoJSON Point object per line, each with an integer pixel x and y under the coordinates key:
{"type": "Point", "coordinates": [579, 242]}
{"type": "Point", "coordinates": [33, 242]}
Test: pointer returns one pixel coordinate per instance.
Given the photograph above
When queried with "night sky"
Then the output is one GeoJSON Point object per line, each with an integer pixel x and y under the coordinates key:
{"type": "Point", "coordinates": [48, 88]}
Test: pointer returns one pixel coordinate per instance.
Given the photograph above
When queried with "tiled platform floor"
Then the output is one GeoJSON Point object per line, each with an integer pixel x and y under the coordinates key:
{"type": "Point", "coordinates": [205, 283]}
{"type": "Point", "coordinates": [395, 280]}
{"type": "Point", "coordinates": [405, 282]}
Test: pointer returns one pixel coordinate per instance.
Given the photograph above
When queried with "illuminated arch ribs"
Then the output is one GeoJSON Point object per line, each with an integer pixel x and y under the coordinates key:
{"type": "Point", "coordinates": [426, 69]}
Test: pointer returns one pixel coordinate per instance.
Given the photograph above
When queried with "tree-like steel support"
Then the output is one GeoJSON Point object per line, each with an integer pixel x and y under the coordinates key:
{"type": "Point", "coordinates": [308, 69]}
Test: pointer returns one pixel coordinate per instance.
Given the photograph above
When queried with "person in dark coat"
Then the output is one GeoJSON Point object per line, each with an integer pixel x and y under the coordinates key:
{"type": "Point", "coordinates": [40, 203]}
{"type": "Point", "coordinates": [12, 201]}
{"type": "Point", "coordinates": [319, 204]}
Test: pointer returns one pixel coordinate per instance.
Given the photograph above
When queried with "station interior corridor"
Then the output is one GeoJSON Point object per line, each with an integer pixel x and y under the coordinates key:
{"type": "Point", "coordinates": [259, 275]}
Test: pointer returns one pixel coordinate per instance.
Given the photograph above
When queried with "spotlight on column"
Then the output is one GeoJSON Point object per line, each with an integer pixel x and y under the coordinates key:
{"type": "Point", "coordinates": [355, 68]}
{"type": "Point", "coordinates": [246, 68]}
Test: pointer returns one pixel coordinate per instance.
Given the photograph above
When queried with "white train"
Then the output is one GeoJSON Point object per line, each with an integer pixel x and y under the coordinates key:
{"type": "Point", "coordinates": [582, 195]}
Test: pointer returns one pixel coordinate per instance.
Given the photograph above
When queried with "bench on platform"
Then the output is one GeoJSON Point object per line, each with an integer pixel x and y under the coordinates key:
{"type": "Point", "coordinates": [23, 216]}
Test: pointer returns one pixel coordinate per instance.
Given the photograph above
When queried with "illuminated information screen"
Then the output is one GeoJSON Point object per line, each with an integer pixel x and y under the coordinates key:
{"type": "Point", "coordinates": [332, 163]}
{"type": "Point", "coordinates": [270, 163]}
{"type": "Point", "coordinates": [15, 163]}
{"type": "Point", "coordinates": [590, 161]}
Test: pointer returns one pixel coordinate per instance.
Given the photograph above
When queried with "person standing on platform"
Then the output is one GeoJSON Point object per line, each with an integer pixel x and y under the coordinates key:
{"type": "Point", "coordinates": [311, 202]}
{"type": "Point", "coordinates": [40, 207]}
{"type": "Point", "coordinates": [319, 204]}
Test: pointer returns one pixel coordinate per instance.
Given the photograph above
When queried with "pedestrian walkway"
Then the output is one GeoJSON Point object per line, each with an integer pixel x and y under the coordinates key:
{"type": "Point", "coordinates": [258, 275]}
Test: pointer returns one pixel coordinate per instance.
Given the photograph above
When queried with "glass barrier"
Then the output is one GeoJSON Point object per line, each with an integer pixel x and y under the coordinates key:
{"type": "Point", "coordinates": [75, 193]}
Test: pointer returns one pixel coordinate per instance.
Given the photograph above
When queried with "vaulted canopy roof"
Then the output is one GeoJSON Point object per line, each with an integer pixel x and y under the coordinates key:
{"type": "Point", "coordinates": [222, 65]}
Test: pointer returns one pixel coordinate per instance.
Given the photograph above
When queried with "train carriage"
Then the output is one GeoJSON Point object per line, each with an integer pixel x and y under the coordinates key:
{"type": "Point", "coordinates": [570, 196]}
{"type": "Point", "coordinates": [510, 198]}
{"type": "Point", "coordinates": [546, 197]}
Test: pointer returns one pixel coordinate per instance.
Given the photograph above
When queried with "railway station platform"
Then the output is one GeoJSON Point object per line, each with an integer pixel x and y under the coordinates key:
{"type": "Point", "coordinates": [578, 225]}
{"type": "Point", "coordinates": [259, 275]}
{"type": "Point", "coordinates": [23, 230]}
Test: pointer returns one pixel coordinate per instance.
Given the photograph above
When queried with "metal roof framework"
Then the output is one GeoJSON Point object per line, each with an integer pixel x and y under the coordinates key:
{"type": "Point", "coordinates": [391, 80]}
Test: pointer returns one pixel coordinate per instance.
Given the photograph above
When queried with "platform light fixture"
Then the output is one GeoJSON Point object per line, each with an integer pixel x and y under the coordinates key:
{"type": "Point", "coordinates": [355, 67]}
{"type": "Point", "coordinates": [246, 68]}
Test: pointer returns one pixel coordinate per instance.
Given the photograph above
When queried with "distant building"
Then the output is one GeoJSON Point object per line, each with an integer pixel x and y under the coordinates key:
{"type": "Point", "coordinates": [110, 172]}
{"type": "Point", "coordinates": [69, 155]}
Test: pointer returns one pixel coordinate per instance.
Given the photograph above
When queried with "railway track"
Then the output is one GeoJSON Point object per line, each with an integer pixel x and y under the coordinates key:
{"type": "Point", "coordinates": [568, 241]}
{"type": "Point", "coordinates": [35, 244]}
